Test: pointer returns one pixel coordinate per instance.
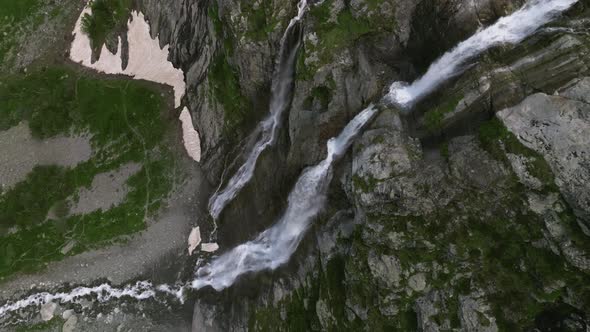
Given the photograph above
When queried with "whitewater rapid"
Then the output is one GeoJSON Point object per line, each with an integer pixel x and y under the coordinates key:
{"type": "Point", "coordinates": [281, 91]}
{"type": "Point", "coordinates": [273, 247]}
{"type": "Point", "coordinates": [141, 290]}
{"type": "Point", "coordinates": [511, 29]}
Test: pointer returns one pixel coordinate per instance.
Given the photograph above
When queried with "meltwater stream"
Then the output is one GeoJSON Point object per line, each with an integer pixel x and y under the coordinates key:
{"type": "Point", "coordinates": [281, 93]}
{"type": "Point", "coordinates": [141, 290]}
{"type": "Point", "coordinates": [507, 30]}
{"type": "Point", "coordinates": [274, 246]}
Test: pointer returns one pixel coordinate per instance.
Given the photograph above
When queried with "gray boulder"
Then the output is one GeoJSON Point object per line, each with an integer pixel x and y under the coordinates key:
{"type": "Point", "coordinates": [558, 128]}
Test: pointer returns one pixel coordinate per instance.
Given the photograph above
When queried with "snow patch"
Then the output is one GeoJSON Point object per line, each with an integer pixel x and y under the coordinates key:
{"type": "Point", "coordinates": [194, 239]}
{"type": "Point", "coordinates": [147, 60]}
{"type": "Point", "coordinates": [209, 247]}
{"type": "Point", "coordinates": [192, 141]}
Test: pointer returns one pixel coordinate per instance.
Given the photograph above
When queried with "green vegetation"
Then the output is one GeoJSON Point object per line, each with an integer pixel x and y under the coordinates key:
{"type": "Point", "coordinates": [106, 17]}
{"type": "Point", "coordinates": [18, 10]}
{"type": "Point", "coordinates": [124, 119]}
{"type": "Point", "coordinates": [22, 205]}
{"type": "Point", "coordinates": [54, 324]}
{"type": "Point", "coordinates": [225, 86]}
{"type": "Point", "coordinates": [222, 31]}
{"type": "Point", "coordinates": [433, 118]}
{"type": "Point", "coordinates": [261, 19]}
{"type": "Point", "coordinates": [16, 16]}
{"type": "Point", "coordinates": [334, 36]}
{"type": "Point", "coordinates": [322, 94]}
{"type": "Point", "coordinates": [365, 185]}
{"type": "Point", "coordinates": [498, 141]}
{"type": "Point", "coordinates": [213, 13]}
{"type": "Point", "coordinates": [484, 239]}
{"type": "Point", "coordinates": [56, 100]}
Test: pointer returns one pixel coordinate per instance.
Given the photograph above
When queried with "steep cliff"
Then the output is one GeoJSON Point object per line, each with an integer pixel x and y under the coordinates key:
{"type": "Point", "coordinates": [470, 214]}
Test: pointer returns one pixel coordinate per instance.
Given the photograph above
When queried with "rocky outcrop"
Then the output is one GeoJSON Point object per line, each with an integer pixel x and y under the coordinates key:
{"type": "Point", "coordinates": [558, 128]}
{"type": "Point", "coordinates": [441, 220]}
{"type": "Point", "coordinates": [475, 316]}
{"type": "Point", "coordinates": [543, 63]}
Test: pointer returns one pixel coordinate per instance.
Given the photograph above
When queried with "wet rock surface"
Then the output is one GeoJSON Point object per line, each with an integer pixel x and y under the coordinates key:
{"type": "Point", "coordinates": [407, 261]}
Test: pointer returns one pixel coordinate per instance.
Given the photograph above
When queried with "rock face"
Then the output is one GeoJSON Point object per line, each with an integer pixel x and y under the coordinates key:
{"type": "Point", "coordinates": [70, 324]}
{"type": "Point", "coordinates": [445, 219]}
{"type": "Point", "coordinates": [474, 315]}
{"type": "Point", "coordinates": [48, 311]}
{"type": "Point", "coordinates": [558, 128]}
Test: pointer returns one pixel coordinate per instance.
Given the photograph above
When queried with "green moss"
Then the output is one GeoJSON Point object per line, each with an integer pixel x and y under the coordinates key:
{"type": "Point", "coordinates": [497, 140]}
{"type": "Point", "coordinates": [106, 16]}
{"type": "Point", "coordinates": [444, 150]}
{"type": "Point", "coordinates": [433, 118]}
{"type": "Point", "coordinates": [261, 20]}
{"type": "Point", "coordinates": [333, 36]}
{"type": "Point", "coordinates": [213, 13]}
{"type": "Point", "coordinates": [336, 35]}
{"type": "Point", "coordinates": [265, 319]}
{"type": "Point", "coordinates": [506, 262]}
{"type": "Point", "coordinates": [494, 245]}
{"type": "Point", "coordinates": [575, 233]}
{"type": "Point", "coordinates": [54, 324]}
{"type": "Point", "coordinates": [225, 85]}
{"type": "Point", "coordinates": [408, 320]}
{"type": "Point", "coordinates": [333, 290]}
{"type": "Point", "coordinates": [297, 315]}
{"type": "Point", "coordinates": [222, 31]}
{"type": "Point", "coordinates": [322, 94]}
{"type": "Point", "coordinates": [364, 184]}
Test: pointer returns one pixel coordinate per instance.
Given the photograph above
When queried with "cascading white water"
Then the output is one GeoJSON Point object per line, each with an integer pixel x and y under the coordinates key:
{"type": "Point", "coordinates": [280, 99]}
{"type": "Point", "coordinates": [275, 246]}
{"type": "Point", "coordinates": [141, 290]}
{"type": "Point", "coordinates": [507, 30]}
{"type": "Point", "coordinates": [269, 250]}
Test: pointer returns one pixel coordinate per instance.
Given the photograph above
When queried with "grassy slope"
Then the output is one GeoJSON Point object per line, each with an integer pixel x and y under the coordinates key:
{"type": "Point", "coordinates": [125, 121]}
{"type": "Point", "coordinates": [13, 14]}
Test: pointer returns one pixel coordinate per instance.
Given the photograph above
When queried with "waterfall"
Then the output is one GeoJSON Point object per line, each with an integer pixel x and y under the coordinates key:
{"type": "Point", "coordinates": [511, 29]}
{"type": "Point", "coordinates": [281, 94]}
{"type": "Point", "coordinates": [269, 250]}
{"type": "Point", "coordinates": [275, 246]}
